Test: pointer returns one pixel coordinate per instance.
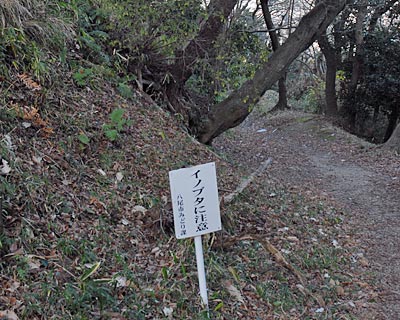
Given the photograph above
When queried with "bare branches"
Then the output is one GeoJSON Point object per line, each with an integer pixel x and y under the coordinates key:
{"type": "Point", "coordinates": [379, 11]}
{"type": "Point", "coordinates": [266, 30]}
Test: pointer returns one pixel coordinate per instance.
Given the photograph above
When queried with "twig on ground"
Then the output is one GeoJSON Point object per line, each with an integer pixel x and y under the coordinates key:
{"type": "Point", "coordinates": [280, 259]}
{"type": "Point", "coordinates": [268, 246]}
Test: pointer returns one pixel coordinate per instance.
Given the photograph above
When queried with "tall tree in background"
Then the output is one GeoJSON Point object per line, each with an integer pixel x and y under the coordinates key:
{"type": "Point", "coordinates": [371, 85]}
{"type": "Point", "coordinates": [282, 102]}
{"type": "Point", "coordinates": [330, 107]}
{"type": "Point", "coordinates": [348, 109]}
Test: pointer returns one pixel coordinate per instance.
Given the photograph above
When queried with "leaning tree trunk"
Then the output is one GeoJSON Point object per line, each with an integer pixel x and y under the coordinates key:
{"type": "Point", "coordinates": [282, 102]}
{"type": "Point", "coordinates": [233, 110]}
{"type": "Point", "coordinates": [394, 141]}
{"type": "Point", "coordinates": [329, 52]}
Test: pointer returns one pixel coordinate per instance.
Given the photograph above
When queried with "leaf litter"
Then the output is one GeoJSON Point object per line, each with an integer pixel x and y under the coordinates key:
{"type": "Point", "coordinates": [89, 228]}
{"type": "Point", "coordinates": [350, 191]}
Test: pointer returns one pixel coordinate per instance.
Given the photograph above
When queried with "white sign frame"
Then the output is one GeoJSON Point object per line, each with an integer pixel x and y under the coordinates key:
{"type": "Point", "coordinates": [195, 201]}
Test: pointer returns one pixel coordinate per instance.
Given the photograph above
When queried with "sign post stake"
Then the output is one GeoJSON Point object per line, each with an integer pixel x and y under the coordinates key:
{"type": "Point", "coordinates": [201, 271]}
{"type": "Point", "coordinates": [195, 204]}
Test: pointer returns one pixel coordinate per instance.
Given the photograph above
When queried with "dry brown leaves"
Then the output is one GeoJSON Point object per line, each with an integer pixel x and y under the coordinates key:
{"type": "Point", "coordinates": [29, 82]}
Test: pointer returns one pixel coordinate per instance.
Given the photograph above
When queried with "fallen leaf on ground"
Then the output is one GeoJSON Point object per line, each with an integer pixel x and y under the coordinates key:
{"type": "Point", "coordinates": [8, 315]}
{"type": "Point", "coordinates": [340, 291]}
{"type": "Point", "coordinates": [168, 312]}
{"type": "Point", "coordinates": [363, 262]}
{"type": "Point", "coordinates": [139, 209]}
{"type": "Point", "coordinates": [119, 176]}
{"type": "Point", "coordinates": [5, 168]}
{"type": "Point", "coordinates": [233, 291]}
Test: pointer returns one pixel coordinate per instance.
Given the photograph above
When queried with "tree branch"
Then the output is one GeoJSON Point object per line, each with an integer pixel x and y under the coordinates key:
{"type": "Point", "coordinates": [266, 30]}
{"type": "Point", "coordinates": [229, 198]}
{"type": "Point", "coordinates": [234, 109]}
{"type": "Point", "coordinates": [202, 45]}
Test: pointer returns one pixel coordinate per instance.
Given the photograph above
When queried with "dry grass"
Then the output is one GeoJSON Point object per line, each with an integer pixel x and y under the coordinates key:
{"type": "Point", "coordinates": [46, 30]}
{"type": "Point", "coordinates": [13, 13]}
{"type": "Point", "coordinates": [31, 17]}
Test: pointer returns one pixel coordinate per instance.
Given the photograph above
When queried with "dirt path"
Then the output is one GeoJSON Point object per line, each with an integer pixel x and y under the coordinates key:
{"type": "Point", "coordinates": [310, 153]}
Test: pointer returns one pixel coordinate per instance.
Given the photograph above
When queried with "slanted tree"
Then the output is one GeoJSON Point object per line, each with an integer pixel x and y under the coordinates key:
{"type": "Point", "coordinates": [167, 71]}
{"type": "Point", "coordinates": [237, 106]}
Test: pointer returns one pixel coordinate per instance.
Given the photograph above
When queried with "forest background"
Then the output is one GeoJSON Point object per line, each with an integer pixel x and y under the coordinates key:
{"type": "Point", "coordinates": [84, 90]}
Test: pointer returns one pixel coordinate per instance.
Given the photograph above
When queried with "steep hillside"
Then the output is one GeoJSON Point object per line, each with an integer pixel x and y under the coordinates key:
{"type": "Point", "coordinates": [73, 196]}
{"type": "Point", "coordinates": [88, 222]}
{"type": "Point", "coordinates": [85, 213]}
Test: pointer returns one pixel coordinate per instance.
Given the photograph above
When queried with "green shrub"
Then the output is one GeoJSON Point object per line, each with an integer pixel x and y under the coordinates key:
{"type": "Point", "coordinates": [117, 123]}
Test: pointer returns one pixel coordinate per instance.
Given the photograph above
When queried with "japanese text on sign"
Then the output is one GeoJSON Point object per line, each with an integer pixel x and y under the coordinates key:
{"type": "Point", "coordinates": [200, 213]}
{"type": "Point", "coordinates": [195, 200]}
{"type": "Point", "coordinates": [181, 214]}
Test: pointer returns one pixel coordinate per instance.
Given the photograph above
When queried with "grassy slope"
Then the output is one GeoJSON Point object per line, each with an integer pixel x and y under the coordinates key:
{"type": "Point", "coordinates": [88, 222]}
{"type": "Point", "coordinates": [70, 207]}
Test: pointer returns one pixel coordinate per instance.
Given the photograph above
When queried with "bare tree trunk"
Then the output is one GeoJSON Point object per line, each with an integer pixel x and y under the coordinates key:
{"type": "Point", "coordinates": [392, 117]}
{"type": "Point", "coordinates": [394, 141]}
{"type": "Point", "coordinates": [349, 111]}
{"type": "Point", "coordinates": [359, 37]}
{"type": "Point", "coordinates": [282, 102]}
{"type": "Point", "coordinates": [233, 110]}
{"type": "Point", "coordinates": [331, 108]}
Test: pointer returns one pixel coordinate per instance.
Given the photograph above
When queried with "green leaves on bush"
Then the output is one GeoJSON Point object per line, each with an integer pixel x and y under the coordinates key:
{"type": "Point", "coordinates": [117, 122]}
{"type": "Point", "coordinates": [125, 90]}
{"type": "Point", "coordinates": [82, 76]}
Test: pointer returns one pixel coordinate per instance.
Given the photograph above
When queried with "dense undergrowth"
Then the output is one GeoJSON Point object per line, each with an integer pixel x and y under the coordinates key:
{"type": "Point", "coordinates": [86, 217]}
